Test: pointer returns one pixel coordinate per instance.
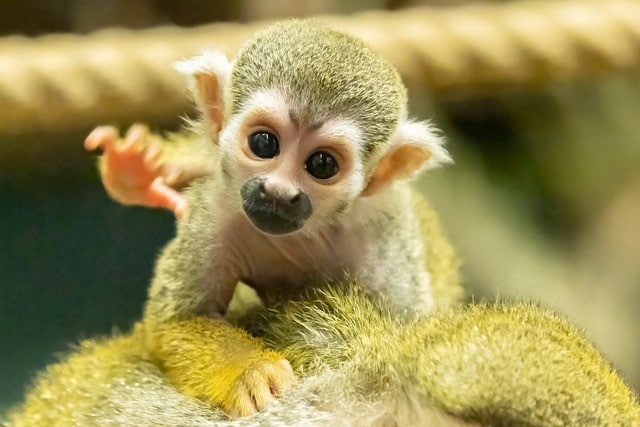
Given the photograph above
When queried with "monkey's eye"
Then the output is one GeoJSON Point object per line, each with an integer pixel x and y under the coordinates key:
{"type": "Point", "coordinates": [321, 165]}
{"type": "Point", "coordinates": [264, 144]}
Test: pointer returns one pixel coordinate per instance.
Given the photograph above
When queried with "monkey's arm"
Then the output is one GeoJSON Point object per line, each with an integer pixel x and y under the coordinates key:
{"type": "Point", "coordinates": [217, 362]}
{"type": "Point", "coordinates": [146, 169]}
{"type": "Point", "coordinates": [202, 354]}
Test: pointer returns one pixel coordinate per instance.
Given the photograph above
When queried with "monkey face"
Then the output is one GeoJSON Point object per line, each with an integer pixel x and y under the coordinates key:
{"type": "Point", "coordinates": [291, 173]}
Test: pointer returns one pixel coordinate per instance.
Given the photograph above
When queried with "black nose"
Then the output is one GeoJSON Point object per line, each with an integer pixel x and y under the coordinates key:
{"type": "Point", "coordinates": [272, 213]}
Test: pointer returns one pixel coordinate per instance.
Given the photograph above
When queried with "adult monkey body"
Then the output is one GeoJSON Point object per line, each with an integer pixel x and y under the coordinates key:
{"type": "Point", "coordinates": [307, 148]}
{"type": "Point", "coordinates": [494, 365]}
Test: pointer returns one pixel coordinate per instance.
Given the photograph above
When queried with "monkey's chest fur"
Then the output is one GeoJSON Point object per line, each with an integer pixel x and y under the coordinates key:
{"type": "Point", "coordinates": [382, 252]}
{"type": "Point", "coordinates": [283, 266]}
{"type": "Point", "coordinates": [376, 244]}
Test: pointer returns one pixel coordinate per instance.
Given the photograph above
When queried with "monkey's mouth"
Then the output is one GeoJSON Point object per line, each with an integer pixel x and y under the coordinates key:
{"type": "Point", "coordinates": [271, 222]}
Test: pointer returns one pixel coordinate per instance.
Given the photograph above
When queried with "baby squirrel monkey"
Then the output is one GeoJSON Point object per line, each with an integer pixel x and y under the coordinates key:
{"type": "Point", "coordinates": [362, 360]}
{"type": "Point", "coordinates": [305, 155]}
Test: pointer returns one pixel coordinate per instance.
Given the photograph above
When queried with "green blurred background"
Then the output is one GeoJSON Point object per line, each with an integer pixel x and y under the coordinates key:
{"type": "Point", "coordinates": [543, 202]}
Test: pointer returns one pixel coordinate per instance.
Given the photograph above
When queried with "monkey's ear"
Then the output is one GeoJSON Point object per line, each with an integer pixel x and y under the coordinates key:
{"type": "Point", "coordinates": [208, 76]}
{"type": "Point", "coordinates": [415, 147]}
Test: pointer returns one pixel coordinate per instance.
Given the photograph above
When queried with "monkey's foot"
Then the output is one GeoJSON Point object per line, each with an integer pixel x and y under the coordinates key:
{"type": "Point", "coordinates": [258, 386]}
{"type": "Point", "coordinates": [131, 169]}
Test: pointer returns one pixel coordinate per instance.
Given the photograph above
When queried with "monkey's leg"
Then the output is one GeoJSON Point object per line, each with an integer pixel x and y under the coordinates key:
{"type": "Point", "coordinates": [514, 364]}
{"type": "Point", "coordinates": [134, 170]}
{"type": "Point", "coordinates": [496, 364]}
{"type": "Point", "coordinates": [220, 363]}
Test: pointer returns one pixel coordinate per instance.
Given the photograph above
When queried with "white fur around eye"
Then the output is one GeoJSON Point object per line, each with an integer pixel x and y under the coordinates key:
{"type": "Point", "coordinates": [269, 103]}
{"type": "Point", "coordinates": [341, 128]}
{"type": "Point", "coordinates": [347, 131]}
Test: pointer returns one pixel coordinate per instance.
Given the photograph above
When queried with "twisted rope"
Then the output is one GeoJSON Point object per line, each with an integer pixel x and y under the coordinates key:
{"type": "Point", "coordinates": [62, 82]}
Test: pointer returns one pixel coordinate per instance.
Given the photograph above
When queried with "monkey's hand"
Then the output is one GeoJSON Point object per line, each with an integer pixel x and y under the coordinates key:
{"type": "Point", "coordinates": [215, 361]}
{"type": "Point", "coordinates": [132, 171]}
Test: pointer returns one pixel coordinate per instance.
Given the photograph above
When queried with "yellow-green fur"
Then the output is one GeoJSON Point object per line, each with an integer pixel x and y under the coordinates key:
{"type": "Point", "coordinates": [442, 260]}
{"type": "Point", "coordinates": [329, 73]}
{"type": "Point", "coordinates": [360, 360]}
{"type": "Point", "coordinates": [497, 364]}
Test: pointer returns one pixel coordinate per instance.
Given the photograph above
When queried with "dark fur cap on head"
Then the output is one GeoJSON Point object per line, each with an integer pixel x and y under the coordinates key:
{"type": "Point", "coordinates": [324, 73]}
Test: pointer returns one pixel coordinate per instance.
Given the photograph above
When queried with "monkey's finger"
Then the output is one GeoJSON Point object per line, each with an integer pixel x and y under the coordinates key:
{"type": "Point", "coordinates": [281, 377]}
{"type": "Point", "coordinates": [162, 196]}
{"type": "Point", "coordinates": [151, 156]}
{"type": "Point", "coordinates": [102, 136]}
{"type": "Point", "coordinates": [261, 392]}
{"type": "Point", "coordinates": [172, 175]}
{"type": "Point", "coordinates": [134, 138]}
{"type": "Point", "coordinates": [244, 403]}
